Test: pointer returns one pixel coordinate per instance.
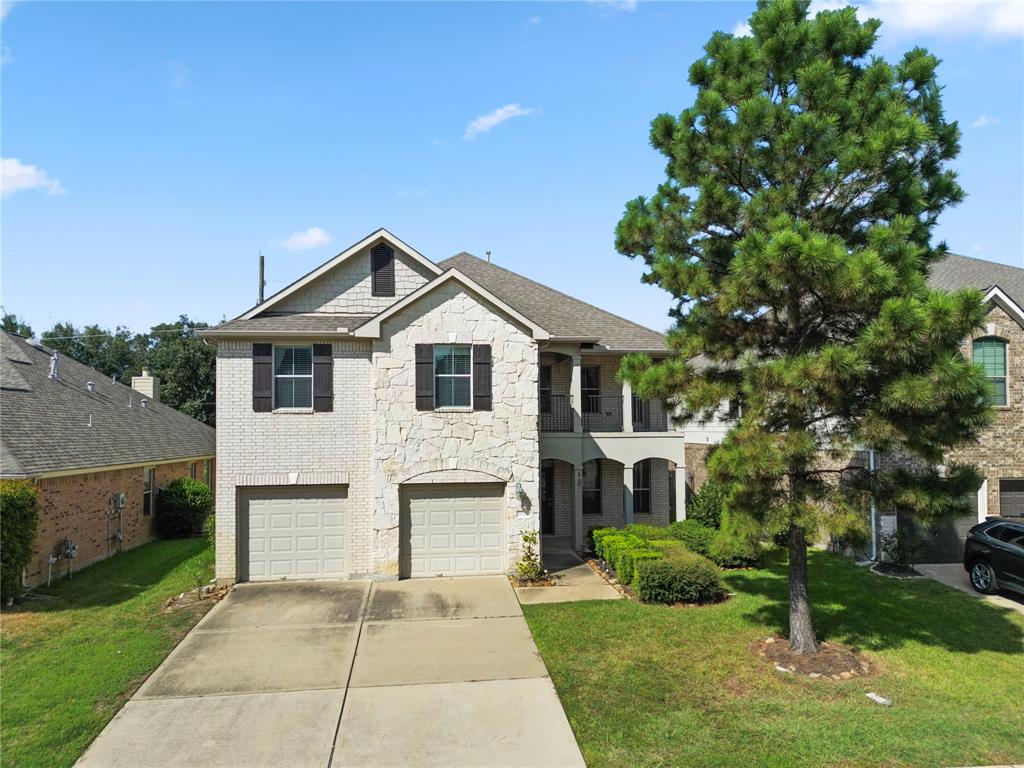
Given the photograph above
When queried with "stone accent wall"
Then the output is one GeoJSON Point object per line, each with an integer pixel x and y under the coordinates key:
{"type": "Point", "coordinates": [696, 464]}
{"type": "Point", "coordinates": [271, 449]}
{"type": "Point", "coordinates": [75, 507]}
{"type": "Point", "coordinates": [502, 442]}
{"type": "Point", "coordinates": [348, 287]}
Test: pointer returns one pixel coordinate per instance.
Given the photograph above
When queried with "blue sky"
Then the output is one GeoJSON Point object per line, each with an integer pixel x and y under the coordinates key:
{"type": "Point", "coordinates": [150, 150]}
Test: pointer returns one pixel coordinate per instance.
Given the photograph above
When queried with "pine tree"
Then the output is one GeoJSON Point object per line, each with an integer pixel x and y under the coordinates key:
{"type": "Point", "coordinates": [794, 233]}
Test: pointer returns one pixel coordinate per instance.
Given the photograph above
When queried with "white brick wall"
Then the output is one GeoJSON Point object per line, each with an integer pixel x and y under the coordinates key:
{"type": "Point", "coordinates": [348, 287]}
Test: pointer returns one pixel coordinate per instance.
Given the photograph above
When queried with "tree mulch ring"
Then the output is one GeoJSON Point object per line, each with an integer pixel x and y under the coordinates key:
{"type": "Point", "coordinates": [893, 571]}
{"type": "Point", "coordinates": [832, 662]}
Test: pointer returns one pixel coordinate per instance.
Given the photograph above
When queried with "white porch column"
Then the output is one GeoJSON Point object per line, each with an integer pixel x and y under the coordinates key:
{"type": "Point", "coordinates": [627, 407]}
{"type": "Point", "coordinates": [577, 505]}
{"type": "Point", "coordinates": [680, 492]}
{"type": "Point", "coordinates": [627, 492]}
{"type": "Point", "coordinates": [576, 394]}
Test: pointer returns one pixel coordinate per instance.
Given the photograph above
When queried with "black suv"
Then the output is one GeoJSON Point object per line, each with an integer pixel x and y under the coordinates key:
{"type": "Point", "coordinates": [994, 555]}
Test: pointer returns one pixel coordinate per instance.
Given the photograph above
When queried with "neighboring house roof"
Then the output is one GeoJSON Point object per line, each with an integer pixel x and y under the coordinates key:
{"type": "Point", "coordinates": [379, 235]}
{"type": "Point", "coordinates": [1002, 284]}
{"type": "Point", "coordinates": [46, 421]}
{"type": "Point", "coordinates": [955, 272]}
{"type": "Point", "coordinates": [560, 315]}
{"type": "Point", "coordinates": [320, 324]}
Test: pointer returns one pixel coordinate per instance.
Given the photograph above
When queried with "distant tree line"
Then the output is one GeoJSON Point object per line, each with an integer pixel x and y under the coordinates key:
{"type": "Point", "coordinates": [173, 352]}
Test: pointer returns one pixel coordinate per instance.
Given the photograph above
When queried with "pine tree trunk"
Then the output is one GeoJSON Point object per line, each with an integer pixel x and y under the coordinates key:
{"type": "Point", "coordinates": [801, 630]}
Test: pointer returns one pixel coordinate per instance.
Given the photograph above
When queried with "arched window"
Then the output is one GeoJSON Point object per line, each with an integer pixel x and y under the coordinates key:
{"type": "Point", "coordinates": [990, 354]}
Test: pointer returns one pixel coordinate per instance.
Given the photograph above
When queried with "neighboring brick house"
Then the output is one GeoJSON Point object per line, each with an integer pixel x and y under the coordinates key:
{"type": "Point", "coordinates": [386, 416]}
{"type": "Point", "coordinates": [999, 454]}
{"type": "Point", "coordinates": [84, 440]}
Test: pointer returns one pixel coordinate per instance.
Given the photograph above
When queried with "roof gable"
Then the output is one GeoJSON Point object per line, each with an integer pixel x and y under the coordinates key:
{"type": "Point", "coordinates": [279, 300]}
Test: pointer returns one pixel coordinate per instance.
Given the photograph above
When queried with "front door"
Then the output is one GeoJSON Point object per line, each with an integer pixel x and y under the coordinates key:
{"type": "Point", "coordinates": [547, 498]}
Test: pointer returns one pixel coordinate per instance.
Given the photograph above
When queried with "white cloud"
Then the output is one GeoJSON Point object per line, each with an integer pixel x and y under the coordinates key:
{"type": "Point", "coordinates": [179, 76]}
{"type": "Point", "coordinates": [742, 29]}
{"type": "Point", "coordinates": [484, 123]}
{"type": "Point", "coordinates": [306, 239]}
{"type": "Point", "coordinates": [983, 121]}
{"type": "Point", "coordinates": [945, 18]}
{"type": "Point", "coordinates": [5, 8]}
{"type": "Point", "coordinates": [16, 176]}
{"type": "Point", "coordinates": [617, 5]}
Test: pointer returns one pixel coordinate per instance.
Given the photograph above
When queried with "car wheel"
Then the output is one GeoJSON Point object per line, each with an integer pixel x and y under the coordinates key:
{"type": "Point", "coordinates": [983, 578]}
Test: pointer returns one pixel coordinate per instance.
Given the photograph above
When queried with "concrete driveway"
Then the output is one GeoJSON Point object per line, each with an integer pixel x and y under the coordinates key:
{"type": "Point", "coordinates": [431, 672]}
{"type": "Point", "coordinates": [953, 575]}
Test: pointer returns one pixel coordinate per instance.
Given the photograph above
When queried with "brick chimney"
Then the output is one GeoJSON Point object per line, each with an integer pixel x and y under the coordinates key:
{"type": "Point", "coordinates": [147, 385]}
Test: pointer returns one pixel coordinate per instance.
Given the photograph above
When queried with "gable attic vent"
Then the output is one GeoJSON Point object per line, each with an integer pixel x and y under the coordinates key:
{"type": "Point", "coordinates": [382, 270]}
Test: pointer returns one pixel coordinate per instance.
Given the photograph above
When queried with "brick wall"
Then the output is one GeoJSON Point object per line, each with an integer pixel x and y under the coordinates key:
{"type": "Point", "coordinates": [348, 287]}
{"type": "Point", "coordinates": [75, 507]}
{"type": "Point", "coordinates": [696, 458]}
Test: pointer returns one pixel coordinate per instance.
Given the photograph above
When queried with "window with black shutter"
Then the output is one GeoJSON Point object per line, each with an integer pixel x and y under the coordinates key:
{"type": "Point", "coordinates": [262, 378]}
{"type": "Point", "coordinates": [424, 377]}
{"type": "Point", "coordinates": [482, 377]}
{"type": "Point", "coordinates": [382, 268]}
{"type": "Point", "coordinates": [323, 378]}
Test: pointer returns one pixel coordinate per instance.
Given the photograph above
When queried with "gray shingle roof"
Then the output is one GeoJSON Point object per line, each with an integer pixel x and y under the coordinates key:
{"type": "Point", "coordinates": [955, 272]}
{"type": "Point", "coordinates": [558, 314]}
{"type": "Point", "coordinates": [45, 423]}
{"type": "Point", "coordinates": [298, 324]}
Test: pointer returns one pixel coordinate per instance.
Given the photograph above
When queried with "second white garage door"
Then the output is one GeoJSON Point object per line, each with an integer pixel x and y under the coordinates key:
{"type": "Point", "coordinates": [452, 530]}
{"type": "Point", "coordinates": [296, 533]}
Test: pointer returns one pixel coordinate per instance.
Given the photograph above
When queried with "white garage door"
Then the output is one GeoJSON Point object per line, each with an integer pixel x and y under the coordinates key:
{"type": "Point", "coordinates": [296, 533]}
{"type": "Point", "coordinates": [452, 530]}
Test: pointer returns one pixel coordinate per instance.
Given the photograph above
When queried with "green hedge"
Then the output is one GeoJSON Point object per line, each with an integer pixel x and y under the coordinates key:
{"type": "Point", "coordinates": [706, 505]}
{"type": "Point", "coordinates": [182, 508]}
{"type": "Point", "coordinates": [733, 552]}
{"type": "Point", "coordinates": [683, 577]}
{"type": "Point", "coordinates": [19, 518]}
{"type": "Point", "coordinates": [695, 536]}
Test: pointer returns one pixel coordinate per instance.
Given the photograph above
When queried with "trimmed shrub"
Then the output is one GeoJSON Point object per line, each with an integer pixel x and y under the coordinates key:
{"type": "Point", "coordinates": [668, 546]}
{"type": "Point", "coordinates": [695, 536]}
{"type": "Point", "coordinates": [646, 532]}
{"type": "Point", "coordinates": [19, 518]}
{"type": "Point", "coordinates": [627, 556]}
{"type": "Point", "coordinates": [732, 552]}
{"type": "Point", "coordinates": [181, 508]}
{"type": "Point", "coordinates": [210, 530]}
{"type": "Point", "coordinates": [597, 535]}
{"type": "Point", "coordinates": [706, 505]}
{"type": "Point", "coordinates": [681, 578]}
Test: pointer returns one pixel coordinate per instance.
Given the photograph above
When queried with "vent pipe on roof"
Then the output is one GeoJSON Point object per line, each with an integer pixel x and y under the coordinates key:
{"type": "Point", "coordinates": [90, 421]}
{"type": "Point", "coordinates": [488, 254]}
{"type": "Point", "coordinates": [53, 366]}
{"type": "Point", "coordinates": [144, 402]}
{"type": "Point", "coordinates": [263, 283]}
{"type": "Point", "coordinates": [91, 386]}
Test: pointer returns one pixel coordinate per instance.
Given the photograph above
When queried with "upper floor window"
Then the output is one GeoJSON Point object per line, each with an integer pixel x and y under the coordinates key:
{"type": "Point", "coordinates": [590, 388]}
{"type": "Point", "coordinates": [452, 374]}
{"type": "Point", "coordinates": [990, 354]}
{"type": "Point", "coordinates": [382, 270]}
{"type": "Point", "coordinates": [148, 495]}
{"type": "Point", "coordinates": [293, 377]}
{"type": "Point", "coordinates": [592, 487]}
{"type": "Point", "coordinates": [642, 487]}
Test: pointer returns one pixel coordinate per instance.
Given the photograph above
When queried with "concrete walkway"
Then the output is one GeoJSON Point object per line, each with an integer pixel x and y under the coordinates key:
{"type": "Point", "coordinates": [574, 580]}
{"type": "Point", "coordinates": [953, 575]}
{"type": "Point", "coordinates": [431, 672]}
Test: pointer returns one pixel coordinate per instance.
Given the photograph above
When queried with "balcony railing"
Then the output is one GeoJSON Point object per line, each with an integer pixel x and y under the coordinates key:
{"type": "Point", "coordinates": [555, 413]}
{"type": "Point", "coordinates": [601, 413]}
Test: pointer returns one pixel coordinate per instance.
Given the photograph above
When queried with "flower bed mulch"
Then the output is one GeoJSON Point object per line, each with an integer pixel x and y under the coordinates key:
{"type": "Point", "coordinates": [210, 597]}
{"type": "Point", "coordinates": [833, 662]}
{"type": "Point", "coordinates": [893, 571]}
{"type": "Point", "coordinates": [545, 582]}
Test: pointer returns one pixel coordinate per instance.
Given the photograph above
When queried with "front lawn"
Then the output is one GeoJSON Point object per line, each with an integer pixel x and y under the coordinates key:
{"type": "Point", "coordinates": [69, 663]}
{"type": "Point", "coordinates": [658, 686]}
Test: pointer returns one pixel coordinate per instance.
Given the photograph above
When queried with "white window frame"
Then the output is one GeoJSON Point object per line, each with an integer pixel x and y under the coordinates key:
{"type": "Point", "coordinates": [468, 377]}
{"type": "Point", "coordinates": [274, 377]}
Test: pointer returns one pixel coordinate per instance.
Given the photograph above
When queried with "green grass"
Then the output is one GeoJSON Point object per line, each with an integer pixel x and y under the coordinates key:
{"type": "Point", "coordinates": [68, 664]}
{"type": "Point", "coordinates": [647, 685]}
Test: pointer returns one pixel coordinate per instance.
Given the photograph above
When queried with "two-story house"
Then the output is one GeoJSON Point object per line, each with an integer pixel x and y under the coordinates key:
{"type": "Point", "coordinates": [386, 416]}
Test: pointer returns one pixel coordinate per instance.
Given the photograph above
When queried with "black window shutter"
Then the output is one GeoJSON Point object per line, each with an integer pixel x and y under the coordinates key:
{"type": "Point", "coordinates": [382, 267]}
{"type": "Point", "coordinates": [482, 377]}
{"type": "Point", "coordinates": [424, 377]}
{"type": "Point", "coordinates": [262, 378]}
{"type": "Point", "coordinates": [323, 378]}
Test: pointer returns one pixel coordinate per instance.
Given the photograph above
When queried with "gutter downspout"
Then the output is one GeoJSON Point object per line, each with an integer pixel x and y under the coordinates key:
{"type": "Point", "coordinates": [874, 527]}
